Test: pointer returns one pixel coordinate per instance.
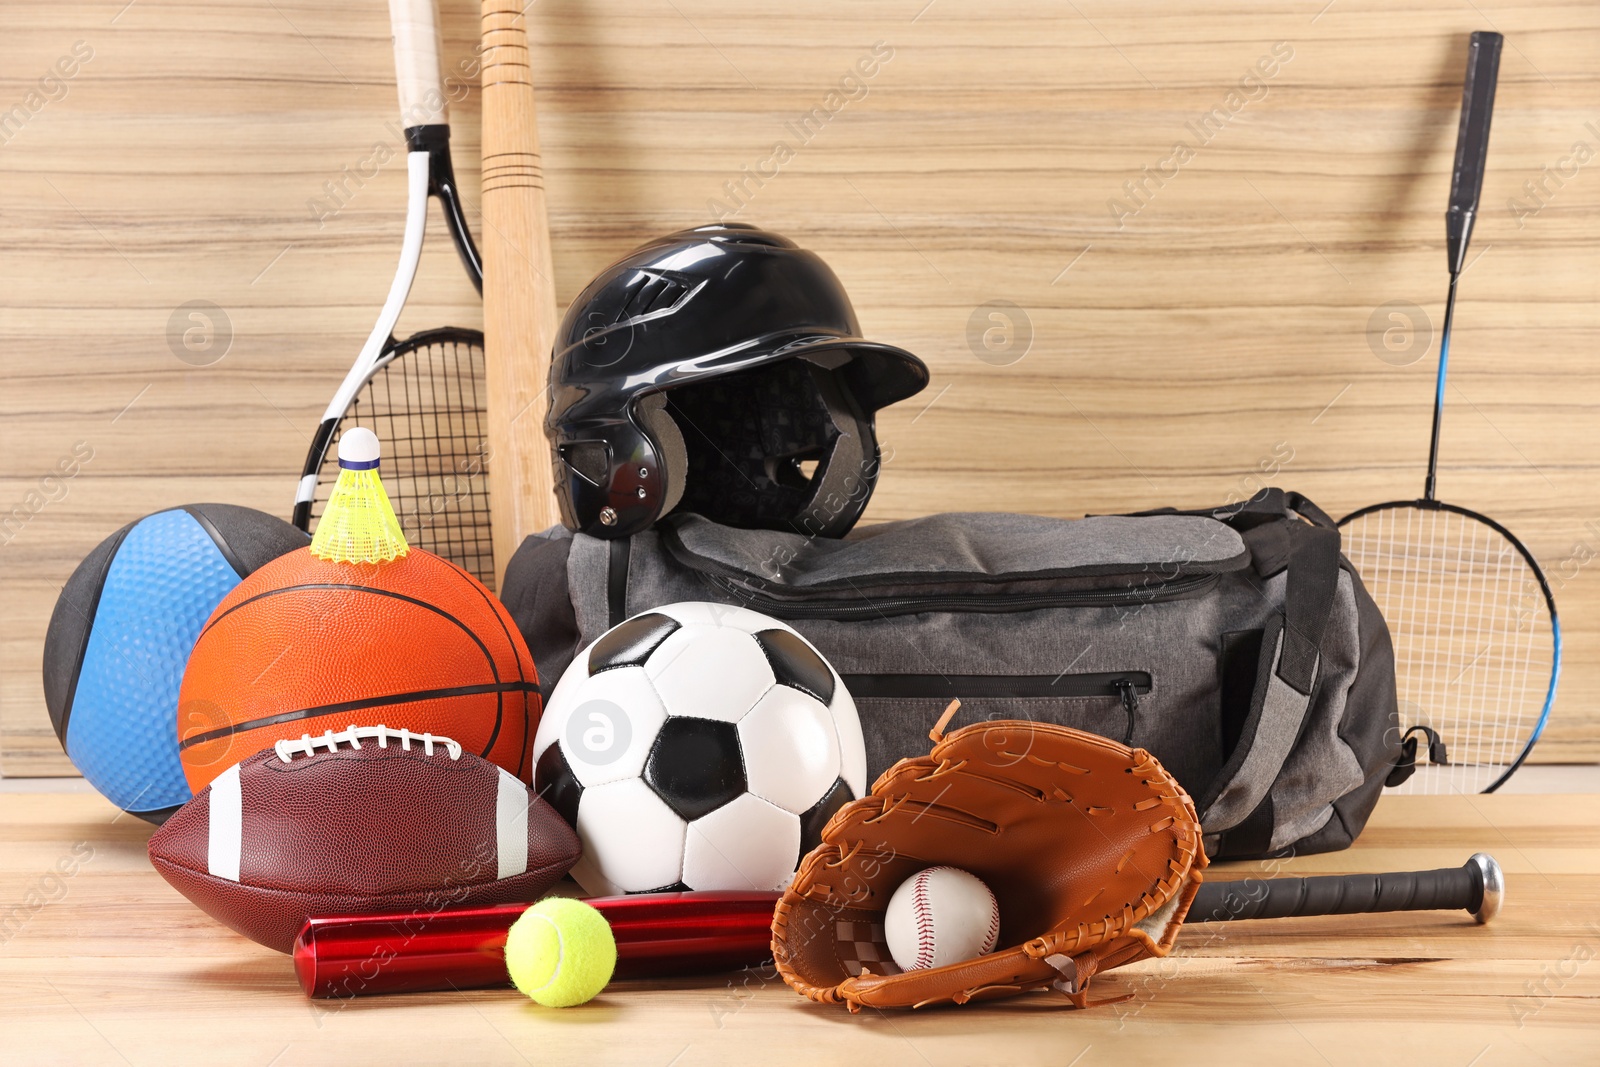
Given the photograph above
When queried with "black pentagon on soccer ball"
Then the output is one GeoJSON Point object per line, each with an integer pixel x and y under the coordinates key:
{"type": "Point", "coordinates": [695, 765]}
{"type": "Point", "coordinates": [816, 817]}
{"type": "Point", "coordinates": [554, 781]}
{"type": "Point", "coordinates": [629, 644]}
{"type": "Point", "coordinates": [796, 664]}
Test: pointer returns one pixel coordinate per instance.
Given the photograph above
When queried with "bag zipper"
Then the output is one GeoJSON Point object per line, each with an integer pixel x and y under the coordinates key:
{"type": "Point", "coordinates": [1122, 686]}
{"type": "Point", "coordinates": [974, 686]}
{"type": "Point", "coordinates": [1130, 704]}
{"type": "Point", "coordinates": [993, 603]}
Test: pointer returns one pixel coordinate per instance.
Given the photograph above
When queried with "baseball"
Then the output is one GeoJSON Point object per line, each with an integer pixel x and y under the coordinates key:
{"type": "Point", "coordinates": [938, 916]}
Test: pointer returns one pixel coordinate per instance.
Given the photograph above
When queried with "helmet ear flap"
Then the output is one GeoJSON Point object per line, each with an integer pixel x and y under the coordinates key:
{"type": "Point", "coordinates": [844, 480]}
{"type": "Point", "coordinates": [668, 437]}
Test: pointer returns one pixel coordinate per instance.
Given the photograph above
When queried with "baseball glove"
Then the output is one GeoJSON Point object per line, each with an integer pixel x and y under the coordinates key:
{"type": "Point", "coordinates": [1091, 849]}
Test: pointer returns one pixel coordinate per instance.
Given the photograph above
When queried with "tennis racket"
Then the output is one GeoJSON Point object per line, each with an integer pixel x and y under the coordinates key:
{"type": "Point", "coordinates": [423, 396]}
{"type": "Point", "coordinates": [1477, 641]}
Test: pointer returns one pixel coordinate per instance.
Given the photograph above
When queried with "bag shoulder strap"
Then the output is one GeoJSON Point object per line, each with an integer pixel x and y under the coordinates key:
{"type": "Point", "coordinates": [1307, 601]}
{"type": "Point", "coordinates": [619, 555]}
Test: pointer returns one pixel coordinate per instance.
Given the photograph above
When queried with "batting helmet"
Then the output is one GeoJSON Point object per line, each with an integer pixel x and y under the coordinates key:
{"type": "Point", "coordinates": [706, 371]}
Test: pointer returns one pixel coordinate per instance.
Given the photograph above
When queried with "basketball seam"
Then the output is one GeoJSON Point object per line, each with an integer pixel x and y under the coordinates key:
{"type": "Point", "coordinates": [494, 670]}
{"type": "Point", "coordinates": [527, 731]}
{"type": "Point", "coordinates": [354, 705]}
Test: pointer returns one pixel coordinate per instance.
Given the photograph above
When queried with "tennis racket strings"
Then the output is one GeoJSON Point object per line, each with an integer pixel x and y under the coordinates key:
{"type": "Point", "coordinates": [424, 400]}
{"type": "Point", "coordinates": [1476, 641]}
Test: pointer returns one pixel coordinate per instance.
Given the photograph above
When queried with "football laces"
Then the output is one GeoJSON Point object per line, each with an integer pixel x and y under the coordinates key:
{"type": "Point", "coordinates": [352, 737]}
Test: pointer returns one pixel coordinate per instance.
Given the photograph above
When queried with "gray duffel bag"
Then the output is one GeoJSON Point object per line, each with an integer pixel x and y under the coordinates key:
{"type": "Point", "coordinates": [1236, 644]}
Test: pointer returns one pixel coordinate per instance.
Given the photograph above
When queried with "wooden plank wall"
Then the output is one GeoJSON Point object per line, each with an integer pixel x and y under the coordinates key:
{"type": "Point", "coordinates": [1177, 327]}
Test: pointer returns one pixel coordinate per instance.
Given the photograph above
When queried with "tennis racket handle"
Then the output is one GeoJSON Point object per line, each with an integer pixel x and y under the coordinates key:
{"type": "Point", "coordinates": [415, 24]}
{"type": "Point", "coordinates": [1477, 886]}
{"type": "Point", "coordinates": [658, 934]}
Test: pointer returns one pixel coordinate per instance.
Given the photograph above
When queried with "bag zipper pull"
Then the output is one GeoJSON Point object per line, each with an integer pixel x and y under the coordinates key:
{"type": "Point", "coordinates": [1130, 704]}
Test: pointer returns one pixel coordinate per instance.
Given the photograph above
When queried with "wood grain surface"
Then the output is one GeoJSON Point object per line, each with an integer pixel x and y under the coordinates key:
{"type": "Point", "coordinates": [519, 299]}
{"type": "Point", "coordinates": [1112, 322]}
{"type": "Point", "coordinates": [107, 964]}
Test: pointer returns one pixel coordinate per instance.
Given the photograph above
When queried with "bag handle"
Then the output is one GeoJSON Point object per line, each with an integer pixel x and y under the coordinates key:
{"type": "Point", "coordinates": [1298, 504]}
{"type": "Point", "coordinates": [1270, 524]}
{"type": "Point", "coordinates": [1291, 649]}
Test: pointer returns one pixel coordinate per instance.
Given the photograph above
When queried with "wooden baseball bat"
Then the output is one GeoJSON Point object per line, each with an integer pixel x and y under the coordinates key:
{"type": "Point", "coordinates": [519, 297]}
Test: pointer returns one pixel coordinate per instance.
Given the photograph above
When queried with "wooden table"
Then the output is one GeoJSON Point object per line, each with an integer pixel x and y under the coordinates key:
{"type": "Point", "coordinates": [109, 965]}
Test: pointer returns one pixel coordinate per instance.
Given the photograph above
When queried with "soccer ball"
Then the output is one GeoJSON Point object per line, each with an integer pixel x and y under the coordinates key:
{"type": "Point", "coordinates": [698, 746]}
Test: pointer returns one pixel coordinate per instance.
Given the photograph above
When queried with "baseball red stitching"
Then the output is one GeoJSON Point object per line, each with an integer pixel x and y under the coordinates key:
{"type": "Point", "coordinates": [924, 914]}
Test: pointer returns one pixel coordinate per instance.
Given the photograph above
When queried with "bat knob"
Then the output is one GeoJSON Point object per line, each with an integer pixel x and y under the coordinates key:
{"type": "Point", "coordinates": [1494, 885]}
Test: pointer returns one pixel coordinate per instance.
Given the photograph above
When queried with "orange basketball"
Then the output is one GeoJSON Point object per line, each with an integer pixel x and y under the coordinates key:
{"type": "Point", "coordinates": [304, 646]}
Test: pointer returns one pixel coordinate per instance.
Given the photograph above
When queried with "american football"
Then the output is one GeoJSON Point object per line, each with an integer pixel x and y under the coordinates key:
{"type": "Point", "coordinates": [698, 746]}
{"type": "Point", "coordinates": [366, 819]}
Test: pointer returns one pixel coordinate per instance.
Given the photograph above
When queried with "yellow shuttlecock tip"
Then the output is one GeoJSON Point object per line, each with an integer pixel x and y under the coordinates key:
{"type": "Point", "coordinates": [359, 524]}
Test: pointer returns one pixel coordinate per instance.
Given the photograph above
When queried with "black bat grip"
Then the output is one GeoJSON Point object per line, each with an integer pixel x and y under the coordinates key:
{"type": "Point", "coordinates": [1472, 143]}
{"type": "Point", "coordinates": [1477, 887]}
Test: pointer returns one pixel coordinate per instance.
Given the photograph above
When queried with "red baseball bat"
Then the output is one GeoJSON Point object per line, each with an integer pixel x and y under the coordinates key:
{"type": "Point", "coordinates": [658, 935]}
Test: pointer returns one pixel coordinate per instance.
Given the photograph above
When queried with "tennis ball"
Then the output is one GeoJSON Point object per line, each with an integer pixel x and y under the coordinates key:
{"type": "Point", "coordinates": [561, 952]}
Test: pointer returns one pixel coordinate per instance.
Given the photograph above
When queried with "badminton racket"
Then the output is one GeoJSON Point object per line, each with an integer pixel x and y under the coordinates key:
{"type": "Point", "coordinates": [424, 395]}
{"type": "Point", "coordinates": [1477, 641]}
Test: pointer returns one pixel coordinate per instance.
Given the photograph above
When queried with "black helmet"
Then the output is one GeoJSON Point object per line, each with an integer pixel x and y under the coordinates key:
{"type": "Point", "coordinates": [701, 372]}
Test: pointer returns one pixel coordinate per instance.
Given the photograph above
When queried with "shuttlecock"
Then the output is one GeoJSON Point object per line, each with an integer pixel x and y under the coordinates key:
{"type": "Point", "coordinates": [358, 525]}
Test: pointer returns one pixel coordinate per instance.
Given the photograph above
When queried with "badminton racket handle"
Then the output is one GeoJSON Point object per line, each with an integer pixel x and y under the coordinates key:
{"type": "Point", "coordinates": [657, 934]}
{"type": "Point", "coordinates": [1476, 887]}
{"type": "Point", "coordinates": [1472, 143]}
